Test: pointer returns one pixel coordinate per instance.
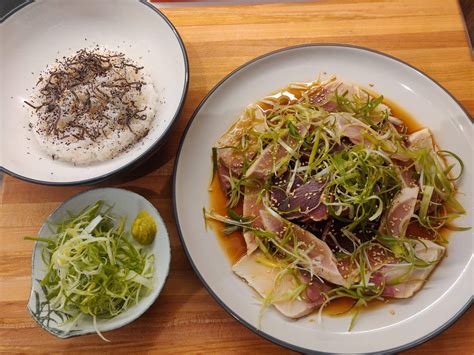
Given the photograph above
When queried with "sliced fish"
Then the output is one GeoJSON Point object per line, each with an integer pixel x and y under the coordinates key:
{"type": "Point", "coordinates": [413, 277]}
{"type": "Point", "coordinates": [396, 219]}
{"type": "Point", "coordinates": [272, 155]}
{"type": "Point", "coordinates": [262, 278]}
{"type": "Point", "coordinates": [321, 260]}
{"type": "Point", "coordinates": [251, 208]}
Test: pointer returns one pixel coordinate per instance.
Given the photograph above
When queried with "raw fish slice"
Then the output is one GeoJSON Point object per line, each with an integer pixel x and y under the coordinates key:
{"type": "Point", "coordinates": [321, 259]}
{"type": "Point", "coordinates": [264, 165]}
{"type": "Point", "coordinates": [224, 175]}
{"type": "Point", "coordinates": [396, 219]}
{"type": "Point", "coordinates": [231, 158]}
{"type": "Point", "coordinates": [413, 277]}
{"type": "Point", "coordinates": [354, 129]}
{"type": "Point", "coordinates": [324, 95]}
{"type": "Point", "coordinates": [251, 209]}
{"type": "Point", "coordinates": [421, 139]}
{"type": "Point", "coordinates": [261, 277]}
{"type": "Point", "coordinates": [300, 202]}
{"type": "Point", "coordinates": [316, 288]}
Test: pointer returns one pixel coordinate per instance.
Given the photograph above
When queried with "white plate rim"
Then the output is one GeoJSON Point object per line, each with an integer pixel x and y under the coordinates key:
{"type": "Point", "coordinates": [154, 147]}
{"type": "Point", "coordinates": [259, 332]}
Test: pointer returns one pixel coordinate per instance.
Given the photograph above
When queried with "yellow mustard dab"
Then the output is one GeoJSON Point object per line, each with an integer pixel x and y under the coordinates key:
{"type": "Point", "coordinates": [144, 228]}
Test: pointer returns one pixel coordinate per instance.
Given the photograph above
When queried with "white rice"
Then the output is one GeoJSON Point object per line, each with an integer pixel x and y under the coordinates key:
{"type": "Point", "coordinates": [64, 144]}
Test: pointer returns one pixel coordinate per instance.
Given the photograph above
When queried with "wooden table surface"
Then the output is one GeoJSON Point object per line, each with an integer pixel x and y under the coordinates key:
{"type": "Point", "coordinates": [428, 34]}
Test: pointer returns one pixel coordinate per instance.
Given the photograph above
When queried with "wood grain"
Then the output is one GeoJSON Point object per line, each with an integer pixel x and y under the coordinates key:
{"type": "Point", "coordinates": [426, 34]}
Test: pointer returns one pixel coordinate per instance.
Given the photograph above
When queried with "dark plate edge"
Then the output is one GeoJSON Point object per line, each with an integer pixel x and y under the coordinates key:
{"type": "Point", "coordinates": [15, 9]}
{"type": "Point", "coordinates": [153, 148]}
{"type": "Point", "coordinates": [264, 335]}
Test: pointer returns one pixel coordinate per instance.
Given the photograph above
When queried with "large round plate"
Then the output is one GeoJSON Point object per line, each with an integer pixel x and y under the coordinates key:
{"type": "Point", "coordinates": [393, 327]}
{"type": "Point", "coordinates": [42, 31]}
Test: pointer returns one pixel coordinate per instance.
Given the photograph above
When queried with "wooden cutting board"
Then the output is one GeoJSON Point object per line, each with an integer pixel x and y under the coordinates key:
{"type": "Point", "coordinates": [426, 34]}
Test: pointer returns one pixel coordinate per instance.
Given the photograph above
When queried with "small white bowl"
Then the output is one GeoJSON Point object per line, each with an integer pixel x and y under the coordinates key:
{"type": "Point", "coordinates": [126, 203]}
{"type": "Point", "coordinates": [42, 31]}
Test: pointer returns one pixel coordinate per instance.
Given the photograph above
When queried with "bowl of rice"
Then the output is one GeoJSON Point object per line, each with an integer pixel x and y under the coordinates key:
{"type": "Point", "coordinates": [90, 89]}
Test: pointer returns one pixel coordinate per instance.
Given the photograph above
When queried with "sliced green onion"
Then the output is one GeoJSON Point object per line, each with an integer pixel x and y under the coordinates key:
{"type": "Point", "coordinates": [93, 268]}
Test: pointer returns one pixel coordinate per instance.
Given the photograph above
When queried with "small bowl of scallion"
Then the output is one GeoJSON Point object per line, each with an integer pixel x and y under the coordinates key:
{"type": "Point", "coordinates": [99, 262]}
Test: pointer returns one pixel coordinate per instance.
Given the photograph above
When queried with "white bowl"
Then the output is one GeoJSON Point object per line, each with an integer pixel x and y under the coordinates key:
{"type": "Point", "coordinates": [449, 290]}
{"type": "Point", "coordinates": [126, 203]}
{"type": "Point", "coordinates": [42, 31]}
